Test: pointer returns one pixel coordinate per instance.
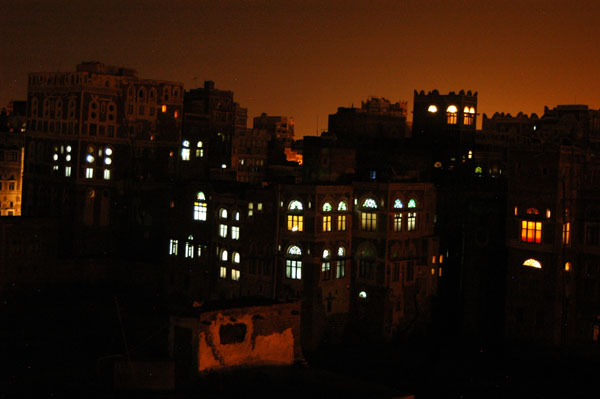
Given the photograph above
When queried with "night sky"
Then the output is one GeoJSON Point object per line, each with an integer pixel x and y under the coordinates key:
{"type": "Point", "coordinates": [306, 58]}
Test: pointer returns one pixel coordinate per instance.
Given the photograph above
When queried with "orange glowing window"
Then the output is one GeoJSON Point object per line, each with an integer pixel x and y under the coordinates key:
{"type": "Point", "coordinates": [567, 266]}
{"type": "Point", "coordinates": [531, 231]}
{"type": "Point", "coordinates": [164, 108]}
{"type": "Point", "coordinates": [451, 115]}
{"type": "Point", "coordinates": [566, 233]}
{"type": "Point", "coordinates": [176, 114]}
{"type": "Point", "coordinates": [532, 263]}
{"type": "Point", "coordinates": [533, 211]}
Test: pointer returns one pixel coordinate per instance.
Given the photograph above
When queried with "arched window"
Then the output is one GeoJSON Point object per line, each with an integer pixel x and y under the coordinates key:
{"type": "Point", "coordinates": [235, 257]}
{"type": "Point", "coordinates": [340, 271]}
{"type": "Point", "coordinates": [185, 150]}
{"type": "Point", "coordinates": [342, 206]}
{"type": "Point", "coordinates": [223, 213]}
{"type": "Point", "coordinates": [326, 264]}
{"type": "Point", "coordinates": [293, 264]}
{"type": "Point", "coordinates": [199, 150]}
{"type": "Point", "coordinates": [532, 263]}
{"type": "Point", "coordinates": [295, 221]}
{"type": "Point", "coordinates": [368, 219]}
{"type": "Point", "coordinates": [398, 204]}
{"type": "Point", "coordinates": [327, 218]}
{"type": "Point", "coordinates": [200, 207]}
{"type": "Point", "coordinates": [327, 207]}
{"type": "Point", "coordinates": [533, 211]}
{"type": "Point", "coordinates": [432, 109]}
{"type": "Point", "coordinates": [451, 112]}
{"type": "Point", "coordinates": [369, 203]}
{"type": "Point", "coordinates": [412, 203]}
{"type": "Point", "coordinates": [469, 115]}
{"type": "Point", "coordinates": [224, 255]}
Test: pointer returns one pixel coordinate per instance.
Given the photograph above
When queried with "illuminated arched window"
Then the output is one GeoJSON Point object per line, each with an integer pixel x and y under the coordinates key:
{"type": "Point", "coordinates": [340, 270]}
{"type": "Point", "coordinates": [412, 203]}
{"type": "Point", "coordinates": [185, 151]}
{"type": "Point", "coordinates": [224, 255]}
{"type": "Point", "coordinates": [451, 112]}
{"type": "Point", "coordinates": [327, 207]}
{"type": "Point", "coordinates": [295, 206]}
{"type": "Point", "coordinates": [341, 219]}
{"type": "Point", "coordinates": [342, 206]}
{"type": "Point", "coordinates": [432, 108]}
{"type": "Point", "coordinates": [235, 257]}
{"type": "Point", "coordinates": [293, 265]}
{"type": "Point", "coordinates": [568, 266]}
{"type": "Point", "coordinates": [199, 150]}
{"type": "Point", "coordinates": [223, 213]}
{"type": "Point", "coordinates": [532, 263]}
{"type": "Point", "coordinates": [326, 264]}
{"type": "Point", "coordinates": [369, 203]}
{"type": "Point", "coordinates": [478, 170]}
{"type": "Point", "coordinates": [200, 207]}
{"type": "Point", "coordinates": [368, 219]}
{"type": "Point", "coordinates": [398, 204]}
{"type": "Point", "coordinates": [533, 211]}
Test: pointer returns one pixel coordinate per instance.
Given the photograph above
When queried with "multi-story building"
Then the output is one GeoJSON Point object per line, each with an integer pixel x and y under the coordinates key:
{"type": "Point", "coordinates": [12, 140]}
{"type": "Point", "coordinates": [101, 146]}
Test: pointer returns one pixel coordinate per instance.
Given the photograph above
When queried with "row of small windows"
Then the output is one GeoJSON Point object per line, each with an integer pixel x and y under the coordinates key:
{"type": "Point", "coordinates": [536, 264]}
{"type": "Point", "coordinates": [296, 205]}
{"type": "Point", "coordinates": [186, 150]}
{"type": "Point", "coordinates": [141, 93]}
{"type": "Point", "coordinates": [452, 114]}
{"type": "Point", "coordinates": [200, 210]}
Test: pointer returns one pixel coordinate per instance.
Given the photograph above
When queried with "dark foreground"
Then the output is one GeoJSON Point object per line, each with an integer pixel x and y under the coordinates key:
{"type": "Point", "coordinates": [64, 343]}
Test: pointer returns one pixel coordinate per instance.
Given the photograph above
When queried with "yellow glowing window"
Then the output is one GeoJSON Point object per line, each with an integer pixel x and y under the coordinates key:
{"type": "Point", "coordinates": [164, 108]}
{"type": "Point", "coordinates": [516, 210]}
{"type": "Point", "coordinates": [531, 231]}
{"type": "Point", "coordinates": [327, 223]}
{"type": "Point", "coordinates": [468, 116]}
{"type": "Point", "coordinates": [566, 233]}
{"type": "Point", "coordinates": [548, 213]}
{"type": "Point", "coordinates": [397, 222]}
{"type": "Point", "coordinates": [295, 222]}
{"type": "Point", "coordinates": [532, 263]}
{"type": "Point", "coordinates": [432, 108]}
{"type": "Point", "coordinates": [451, 112]}
{"type": "Point", "coordinates": [341, 222]}
{"type": "Point", "coordinates": [368, 221]}
{"type": "Point", "coordinates": [567, 266]}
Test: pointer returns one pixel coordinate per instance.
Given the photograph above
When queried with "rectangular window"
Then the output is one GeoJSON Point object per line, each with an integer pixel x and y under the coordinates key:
{"type": "Point", "coordinates": [235, 233]}
{"type": "Point", "coordinates": [189, 250]}
{"type": "Point", "coordinates": [327, 223]}
{"type": "Point", "coordinates": [185, 154]}
{"type": "Point", "coordinates": [106, 174]}
{"type": "Point", "coordinates": [293, 269]}
{"type": "Point", "coordinates": [566, 233]}
{"type": "Point", "coordinates": [531, 231]}
{"type": "Point", "coordinates": [468, 119]}
{"type": "Point", "coordinates": [259, 206]}
{"type": "Point", "coordinates": [295, 222]}
{"type": "Point", "coordinates": [89, 173]}
{"type": "Point", "coordinates": [368, 221]}
{"type": "Point", "coordinates": [223, 230]}
{"type": "Point", "coordinates": [223, 272]}
{"type": "Point", "coordinates": [173, 247]}
{"type": "Point", "coordinates": [200, 210]}
{"type": "Point", "coordinates": [341, 222]}
{"type": "Point", "coordinates": [235, 274]}
{"type": "Point", "coordinates": [411, 221]}
{"type": "Point", "coordinates": [340, 271]}
{"type": "Point", "coordinates": [250, 209]}
{"type": "Point", "coordinates": [451, 118]}
{"type": "Point", "coordinates": [326, 270]}
{"type": "Point", "coordinates": [398, 222]}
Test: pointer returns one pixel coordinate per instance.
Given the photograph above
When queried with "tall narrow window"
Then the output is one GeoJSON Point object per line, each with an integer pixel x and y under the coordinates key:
{"type": "Point", "coordinates": [340, 271]}
{"type": "Point", "coordinates": [185, 150]}
{"type": "Point", "coordinates": [327, 223]}
{"type": "Point", "coordinates": [235, 233]}
{"type": "Point", "coordinates": [189, 249]}
{"type": "Point", "coordinates": [397, 222]}
{"type": "Point", "coordinates": [566, 233]}
{"type": "Point", "coordinates": [172, 247]}
{"type": "Point", "coordinates": [341, 222]}
{"type": "Point", "coordinates": [199, 150]}
{"type": "Point", "coordinates": [200, 207]}
{"type": "Point", "coordinates": [326, 265]}
{"type": "Point", "coordinates": [223, 230]}
{"type": "Point", "coordinates": [293, 265]}
{"type": "Point", "coordinates": [411, 221]}
{"type": "Point", "coordinates": [368, 221]}
{"type": "Point", "coordinates": [451, 117]}
{"type": "Point", "coordinates": [295, 221]}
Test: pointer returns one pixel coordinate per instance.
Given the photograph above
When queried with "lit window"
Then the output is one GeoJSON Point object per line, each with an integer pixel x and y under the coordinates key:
{"type": "Point", "coordinates": [189, 250]}
{"type": "Point", "coordinates": [398, 222]}
{"type": "Point", "coordinates": [295, 206]}
{"type": "Point", "coordinates": [532, 263]}
{"type": "Point", "coordinates": [259, 206]}
{"type": "Point", "coordinates": [106, 174]}
{"type": "Point", "coordinates": [89, 158]}
{"type": "Point", "coordinates": [341, 222]}
{"type": "Point", "coordinates": [451, 112]}
{"type": "Point", "coordinates": [173, 247]}
{"type": "Point", "coordinates": [469, 115]}
{"type": "Point", "coordinates": [369, 203]}
{"type": "Point", "coordinates": [340, 271]}
{"type": "Point", "coordinates": [368, 221]}
{"type": "Point", "coordinates": [89, 173]}
{"type": "Point", "coordinates": [293, 267]}
{"type": "Point", "coordinates": [200, 210]}
{"type": "Point", "coordinates": [199, 150]}
{"type": "Point", "coordinates": [223, 230]}
{"type": "Point", "coordinates": [412, 203]}
{"type": "Point", "coordinates": [67, 171]}
{"type": "Point", "coordinates": [224, 255]}
{"type": "Point", "coordinates": [478, 170]}
{"type": "Point", "coordinates": [516, 210]}
{"type": "Point", "coordinates": [327, 207]}
{"type": "Point", "coordinates": [235, 274]}
{"type": "Point", "coordinates": [223, 213]}
{"type": "Point", "coordinates": [326, 265]}
{"type": "Point", "coordinates": [164, 108]}
{"type": "Point", "coordinates": [362, 294]}
{"type": "Point", "coordinates": [342, 206]}
{"type": "Point", "coordinates": [235, 257]}
{"type": "Point", "coordinates": [566, 233]}
{"type": "Point", "coordinates": [432, 108]}
{"type": "Point", "coordinates": [548, 213]}
{"type": "Point", "coordinates": [236, 216]}
{"type": "Point", "coordinates": [295, 222]}
{"type": "Point", "coordinates": [327, 223]}
{"type": "Point", "coordinates": [398, 204]}
{"type": "Point", "coordinates": [533, 211]}
{"type": "Point", "coordinates": [185, 151]}
{"type": "Point", "coordinates": [567, 266]}
{"type": "Point", "coordinates": [250, 209]}
{"type": "Point", "coordinates": [411, 221]}
{"type": "Point", "coordinates": [235, 233]}
{"type": "Point", "coordinates": [223, 272]}
{"type": "Point", "coordinates": [470, 155]}
{"type": "Point", "coordinates": [531, 231]}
